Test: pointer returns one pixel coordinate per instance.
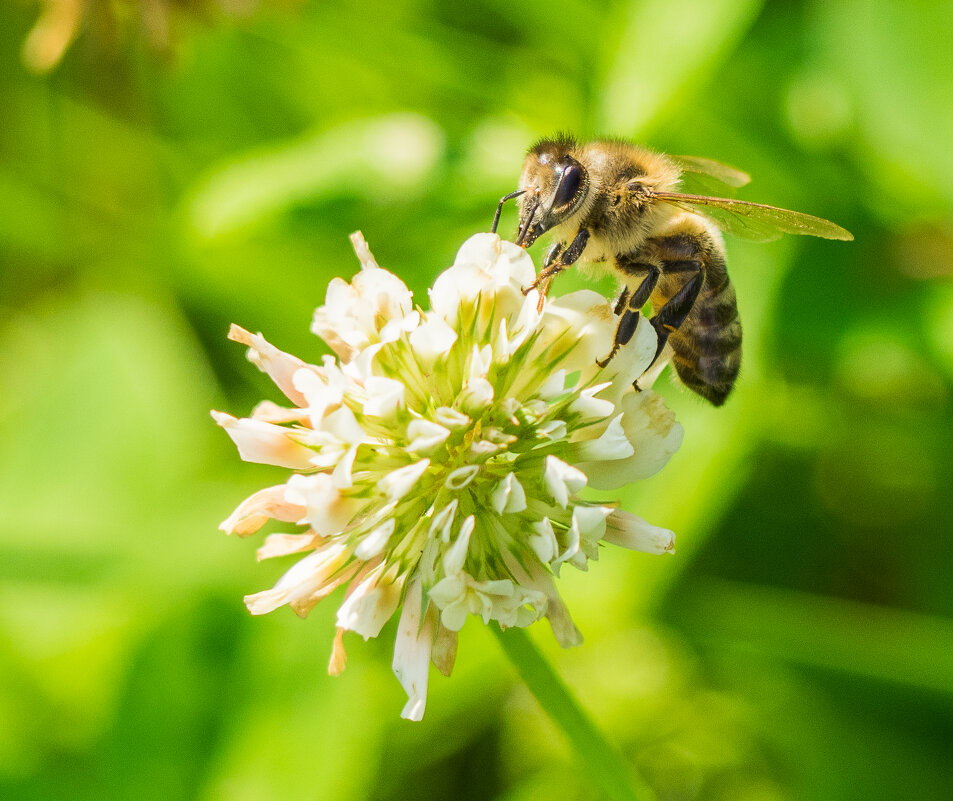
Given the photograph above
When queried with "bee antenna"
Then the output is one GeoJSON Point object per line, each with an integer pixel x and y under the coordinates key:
{"type": "Point", "coordinates": [499, 209]}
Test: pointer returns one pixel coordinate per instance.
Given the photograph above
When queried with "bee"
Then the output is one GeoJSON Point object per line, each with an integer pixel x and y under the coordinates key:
{"type": "Point", "coordinates": [617, 203]}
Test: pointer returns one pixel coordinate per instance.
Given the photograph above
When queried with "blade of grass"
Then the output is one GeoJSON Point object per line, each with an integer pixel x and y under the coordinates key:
{"type": "Point", "coordinates": [605, 765]}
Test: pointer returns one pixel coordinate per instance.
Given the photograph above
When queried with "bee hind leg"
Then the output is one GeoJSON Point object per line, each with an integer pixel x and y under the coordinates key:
{"type": "Point", "coordinates": [673, 313]}
{"type": "Point", "coordinates": [630, 313]}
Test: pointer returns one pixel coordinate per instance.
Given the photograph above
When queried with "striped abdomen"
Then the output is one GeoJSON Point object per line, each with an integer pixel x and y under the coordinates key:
{"type": "Point", "coordinates": [707, 346]}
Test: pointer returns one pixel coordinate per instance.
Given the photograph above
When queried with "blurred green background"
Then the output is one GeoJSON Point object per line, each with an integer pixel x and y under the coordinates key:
{"type": "Point", "coordinates": [167, 168]}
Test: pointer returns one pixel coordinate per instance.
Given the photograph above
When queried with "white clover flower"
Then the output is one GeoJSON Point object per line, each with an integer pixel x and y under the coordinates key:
{"type": "Point", "coordinates": [440, 458]}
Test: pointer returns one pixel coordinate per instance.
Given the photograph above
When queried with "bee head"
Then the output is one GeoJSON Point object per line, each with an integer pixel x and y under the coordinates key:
{"type": "Point", "coordinates": [555, 186]}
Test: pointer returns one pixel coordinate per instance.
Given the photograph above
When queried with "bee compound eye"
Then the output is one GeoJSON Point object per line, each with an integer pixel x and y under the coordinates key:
{"type": "Point", "coordinates": [570, 180]}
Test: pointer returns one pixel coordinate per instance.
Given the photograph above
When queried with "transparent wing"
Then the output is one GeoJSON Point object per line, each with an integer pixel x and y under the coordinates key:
{"type": "Point", "coordinates": [755, 220]}
{"type": "Point", "coordinates": [725, 173]}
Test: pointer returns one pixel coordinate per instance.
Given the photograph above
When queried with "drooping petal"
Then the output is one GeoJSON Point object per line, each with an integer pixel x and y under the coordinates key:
{"type": "Point", "coordinates": [412, 650]}
{"type": "Point", "coordinates": [280, 366]}
{"type": "Point", "coordinates": [286, 544]}
{"type": "Point", "coordinates": [636, 534]}
{"type": "Point", "coordinates": [328, 510]}
{"type": "Point", "coordinates": [303, 579]}
{"type": "Point", "coordinates": [370, 605]}
{"type": "Point", "coordinates": [444, 652]}
{"type": "Point", "coordinates": [258, 509]}
{"type": "Point", "coordinates": [264, 443]}
{"type": "Point", "coordinates": [338, 659]}
{"type": "Point", "coordinates": [650, 427]}
{"type": "Point", "coordinates": [562, 480]}
{"type": "Point", "coordinates": [269, 412]}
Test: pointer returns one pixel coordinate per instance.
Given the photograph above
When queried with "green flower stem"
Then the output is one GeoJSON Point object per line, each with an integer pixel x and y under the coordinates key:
{"type": "Point", "coordinates": [604, 764]}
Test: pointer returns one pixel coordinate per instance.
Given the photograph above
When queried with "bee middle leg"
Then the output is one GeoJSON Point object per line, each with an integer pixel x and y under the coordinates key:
{"type": "Point", "coordinates": [631, 311]}
{"type": "Point", "coordinates": [622, 303]}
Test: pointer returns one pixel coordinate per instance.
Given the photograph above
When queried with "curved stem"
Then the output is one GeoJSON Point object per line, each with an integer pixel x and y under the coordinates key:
{"type": "Point", "coordinates": [604, 764]}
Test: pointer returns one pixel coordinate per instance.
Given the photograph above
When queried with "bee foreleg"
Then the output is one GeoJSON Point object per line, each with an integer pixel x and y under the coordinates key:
{"type": "Point", "coordinates": [556, 261]}
{"type": "Point", "coordinates": [630, 314]}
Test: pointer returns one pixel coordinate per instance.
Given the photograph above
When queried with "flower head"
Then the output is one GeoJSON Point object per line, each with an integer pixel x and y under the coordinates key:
{"type": "Point", "coordinates": [439, 459]}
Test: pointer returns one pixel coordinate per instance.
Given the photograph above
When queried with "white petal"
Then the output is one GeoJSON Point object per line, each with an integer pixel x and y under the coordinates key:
{"type": "Point", "coordinates": [451, 418]}
{"type": "Point", "coordinates": [554, 430]}
{"type": "Point", "coordinates": [353, 314]}
{"type": "Point", "coordinates": [543, 540]}
{"type": "Point", "coordinates": [375, 540]}
{"type": "Point", "coordinates": [319, 394]}
{"type": "Point", "coordinates": [570, 551]}
{"type": "Point", "coordinates": [448, 591]}
{"type": "Point", "coordinates": [480, 362]}
{"type": "Point", "coordinates": [370, 605]}
{"type": "Point", "coordinates": [385, 396]}
{"type": "Point", "coordinates": [562, 480]}
{"type": "Point", "coordinates": [475, 396]}
{"type": "Point", "coordinates": [611, 444]}
{"type": "Point", "coordinates": [343, 425]}
{"type": "Point", "coordinates": [590, 521]}
{"type": "Point", "coordinates": [412, 653]}
{"type": "Point", "coordinates": [456, 555]}
{"type": "Point", "coordinates": [462, 476]}
{"type": "Point", "coordinates": [396, 484]}
{"type": "Point", "coordinates": [388, 295]}
{"type": "Point", "coordinates": [342, 475]}
{"type": "Point", "coordinates": [280, 366]}
{"type": "Point", "coordinates": [264, 443]}
{"type": "Point", "coordinates": [328, 511]}
{"type": "Point", "coordinates": [527, 321]}
{"type": "Point", "coordinates": [442, 521]}
{"type": "Point", "coordinates": [554, 386]}
{"type": "Point", "coordinates": [508, 496]}
{"type": "Point", "coordinates": [425, 436]}
{"type": "Point", "coordinates": [432, 339]}
{"type": "Point", "coordinates": [455, 286]}
{"type": "Point", "coordinates": [344, 333]}
{"type": "Point", "coordinates": [454, 615]}
{"type": "Point", "coordinates": [651, 428]}
{"type": "Point", "coordinates": [363, 251]}
{"type": "Point", "coordinates": [589, 407]}
{"type": "Point", "coordinates": [635, 534]}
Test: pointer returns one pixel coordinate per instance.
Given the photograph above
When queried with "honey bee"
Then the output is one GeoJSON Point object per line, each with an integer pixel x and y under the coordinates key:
{"type": "Point", "coordinates": [615, 202]}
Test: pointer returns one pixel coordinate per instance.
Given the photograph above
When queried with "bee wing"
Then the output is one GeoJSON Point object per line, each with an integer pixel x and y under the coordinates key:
{"type": "Point", "coordinates": [755, 220]}
{"type": "Point", "coordinates": [725, 173]}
